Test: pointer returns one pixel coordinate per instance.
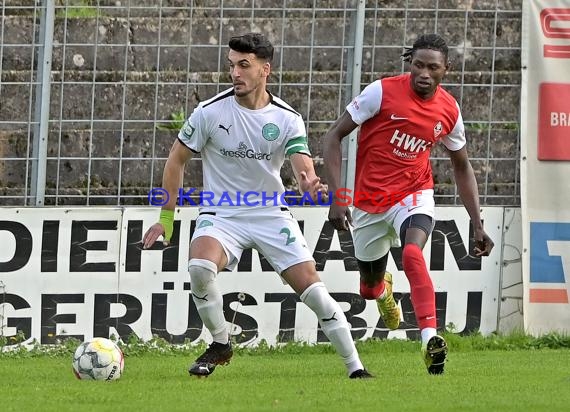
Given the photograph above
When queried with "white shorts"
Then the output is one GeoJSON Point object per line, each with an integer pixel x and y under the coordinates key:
{"type": "Point", "coordinates": [274, 233]}
{"type": "Point", "coordinates": [375, 233]}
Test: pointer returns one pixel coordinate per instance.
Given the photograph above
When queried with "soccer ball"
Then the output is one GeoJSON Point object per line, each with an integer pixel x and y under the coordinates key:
{"type": "Point", "coordinates": [99, 359]}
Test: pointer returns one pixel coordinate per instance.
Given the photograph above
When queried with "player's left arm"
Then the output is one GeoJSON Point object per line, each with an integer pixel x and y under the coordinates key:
{"type": "Point", "coordinates": [469, 194]}
{"type": "Point", "coordinates": [307, 178]}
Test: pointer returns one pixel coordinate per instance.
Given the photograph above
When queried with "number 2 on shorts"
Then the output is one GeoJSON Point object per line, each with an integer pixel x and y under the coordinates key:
{"type": "Point", "coordinates": [287, 232]}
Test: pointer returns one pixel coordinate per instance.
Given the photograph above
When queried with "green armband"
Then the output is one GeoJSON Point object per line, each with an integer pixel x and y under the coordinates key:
{"type": "Point", "coordinates": [167, 222]}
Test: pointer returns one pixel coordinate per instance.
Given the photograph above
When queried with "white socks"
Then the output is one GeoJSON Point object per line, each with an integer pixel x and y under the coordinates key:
{"type": "Point", "coordinates": [427, 334]}
{"type": "Point", "coordinates": [209, 303]}
{"type": "Point", "coordinates": [207, 298]}
{"type": "Point", "coordinates": [333, 322]}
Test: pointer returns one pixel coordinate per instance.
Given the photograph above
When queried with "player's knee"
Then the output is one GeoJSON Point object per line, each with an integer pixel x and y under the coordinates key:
{"type": "Point", "coordinates": [202, 272]}
{"type": "Point", "coordinates": [373, 271]}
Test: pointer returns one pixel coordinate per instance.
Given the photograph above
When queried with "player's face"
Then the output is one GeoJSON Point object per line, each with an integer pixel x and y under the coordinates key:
{"type": "Point", "coordinates": [248, 73]}
{"type": "Point", "coordinates": [428, 68]}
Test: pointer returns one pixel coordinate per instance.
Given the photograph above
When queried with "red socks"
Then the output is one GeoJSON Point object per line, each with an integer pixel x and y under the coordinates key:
{"type": "Point", "coordinates": [371, 292]}
{"type": "Point", "coordinates": [423, 295]}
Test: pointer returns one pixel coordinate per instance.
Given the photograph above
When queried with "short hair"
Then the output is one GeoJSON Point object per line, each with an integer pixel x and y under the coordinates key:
{"type": "Point", "coordinates": [426, 41]}
{"type": "Point", "coordinates": [255, 43]}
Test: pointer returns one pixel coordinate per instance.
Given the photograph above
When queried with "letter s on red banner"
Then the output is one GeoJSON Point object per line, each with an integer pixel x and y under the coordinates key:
{"type": "Point", "coordinates": [555, 23]}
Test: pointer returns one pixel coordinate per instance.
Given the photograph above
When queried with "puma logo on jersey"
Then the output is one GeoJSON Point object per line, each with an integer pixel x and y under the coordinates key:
{"type": "Point", "coordinates": [227, 129]}
{"type": "Point", "coordinates": [394, 117]}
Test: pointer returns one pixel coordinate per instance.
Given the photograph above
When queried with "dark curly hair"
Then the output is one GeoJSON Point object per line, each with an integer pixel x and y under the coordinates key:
{"type": "Point", "coordinates": [426, 41]}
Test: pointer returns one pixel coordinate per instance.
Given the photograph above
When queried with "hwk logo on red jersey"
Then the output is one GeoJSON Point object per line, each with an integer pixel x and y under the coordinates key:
{"type": "Point", "coordinates": [411, 144]}
{"type": "Point", "coordinates": [437, 129]}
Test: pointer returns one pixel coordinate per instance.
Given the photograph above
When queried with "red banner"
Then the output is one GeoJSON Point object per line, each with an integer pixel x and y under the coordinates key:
{"type": "Point", "coordinates": [554, 121]}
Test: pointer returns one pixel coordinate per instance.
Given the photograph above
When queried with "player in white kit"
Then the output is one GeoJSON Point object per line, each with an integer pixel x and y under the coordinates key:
{"type": "Point", "coordinates": [244, 135]}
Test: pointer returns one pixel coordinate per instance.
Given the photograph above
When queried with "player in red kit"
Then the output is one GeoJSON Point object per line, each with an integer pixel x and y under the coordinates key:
{"type": "Point", "coordinates": [400, 119]}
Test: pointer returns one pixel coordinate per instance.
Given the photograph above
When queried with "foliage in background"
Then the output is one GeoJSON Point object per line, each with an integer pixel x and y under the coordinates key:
{"type": "Point", "coordinates": [77, 8]}
{"type": "Point", "coordinates": [177, 120]}
{"type": "Point", "coordinates": [135, 347]}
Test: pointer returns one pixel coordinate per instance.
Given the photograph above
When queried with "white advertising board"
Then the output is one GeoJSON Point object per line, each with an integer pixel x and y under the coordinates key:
{"type": "Point", "coordinates": [81, 272]}
{"type": "Point", "coordinates": [545, 165]}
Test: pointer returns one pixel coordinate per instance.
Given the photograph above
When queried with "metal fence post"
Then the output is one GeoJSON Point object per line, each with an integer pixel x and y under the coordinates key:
{"type": "Point", "coordinates": [42, 103]}
{"type": "Point", "coordinates": [356, 68]}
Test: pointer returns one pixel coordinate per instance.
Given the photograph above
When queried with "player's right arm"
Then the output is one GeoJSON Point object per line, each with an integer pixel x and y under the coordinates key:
{"type": "Point", "coordinates": [339, 216]}
{"type": "Point", "coordinates": [191, 138]}
{"type": "Point", "coordinates": [363, 107]}
{"type": "Point", "coordinates": [332, 154]}
{"type": "Point", "coordinates": [172, 178]}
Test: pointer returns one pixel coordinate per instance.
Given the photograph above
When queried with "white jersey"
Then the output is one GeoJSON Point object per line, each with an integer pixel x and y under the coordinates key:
{"type": "Point", "coordinates": [243, 151]}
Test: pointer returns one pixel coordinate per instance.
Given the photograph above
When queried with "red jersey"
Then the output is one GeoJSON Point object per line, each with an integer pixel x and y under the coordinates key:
{"type": "Point", "coordinates": [397, 132]}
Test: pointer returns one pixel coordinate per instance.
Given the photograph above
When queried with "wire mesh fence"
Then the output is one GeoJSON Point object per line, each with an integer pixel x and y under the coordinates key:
{"type": "Point", "coordinates": [92, 92]}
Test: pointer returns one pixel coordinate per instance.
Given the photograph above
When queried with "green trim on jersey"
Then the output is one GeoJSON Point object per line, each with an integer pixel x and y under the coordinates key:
{"type": "Point", "coordinates": [297, 145]}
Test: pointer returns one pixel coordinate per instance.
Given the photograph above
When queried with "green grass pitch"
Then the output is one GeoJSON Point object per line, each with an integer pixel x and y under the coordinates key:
{"type": "Point", "coordinates": [482, 374]}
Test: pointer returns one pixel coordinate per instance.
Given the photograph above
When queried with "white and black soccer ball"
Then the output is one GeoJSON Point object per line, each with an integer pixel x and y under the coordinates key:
{"type": "Point", "coordinates": [99, 359]}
